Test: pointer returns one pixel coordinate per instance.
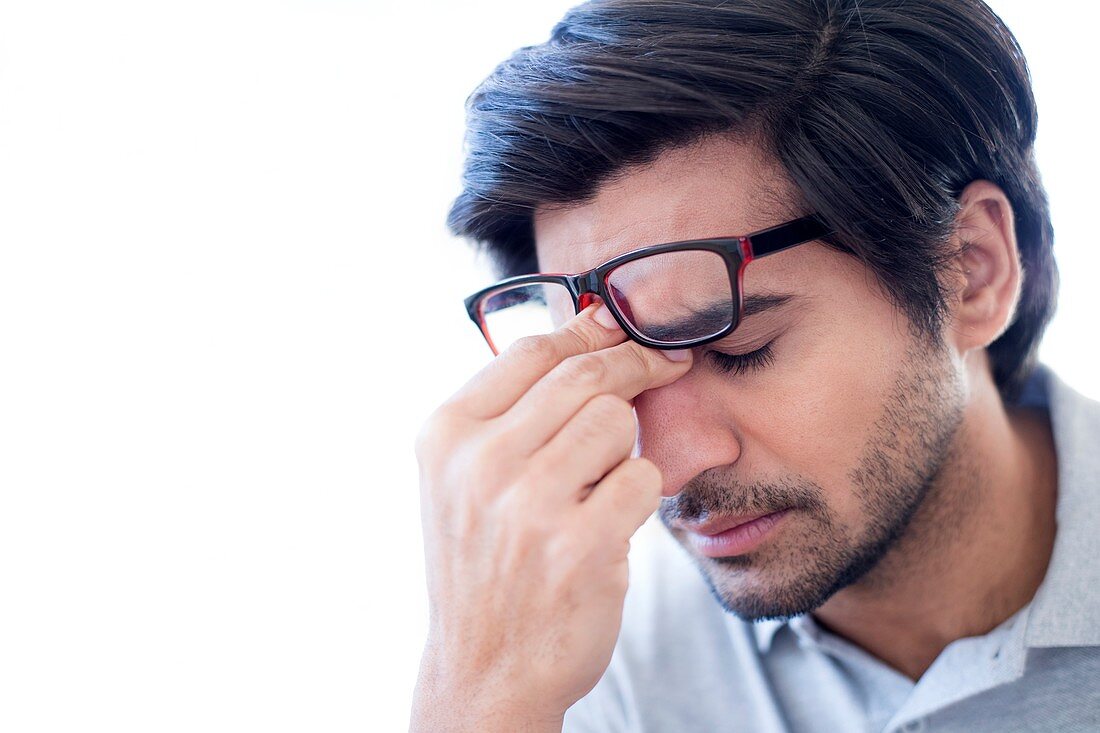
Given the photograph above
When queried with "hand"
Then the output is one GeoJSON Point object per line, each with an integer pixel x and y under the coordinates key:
{"type": "Point", "coordinates": [529, 499]}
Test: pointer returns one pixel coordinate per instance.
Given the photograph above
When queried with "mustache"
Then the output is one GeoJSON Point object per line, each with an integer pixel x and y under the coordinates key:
{"type": "Point", "coordinates": [711, 494]}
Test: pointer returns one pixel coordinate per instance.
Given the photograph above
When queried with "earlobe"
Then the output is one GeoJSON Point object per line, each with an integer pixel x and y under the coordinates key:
{"type": "Point", "coordinates": [987, 269]}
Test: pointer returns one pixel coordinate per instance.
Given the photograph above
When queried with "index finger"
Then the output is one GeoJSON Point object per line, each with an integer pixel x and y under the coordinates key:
{"type": "Point", "coordinates": [506, 378]}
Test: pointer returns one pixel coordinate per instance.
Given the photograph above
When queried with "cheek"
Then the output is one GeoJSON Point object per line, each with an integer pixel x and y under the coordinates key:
{"type": "Point", "coordinates": [812, 414]}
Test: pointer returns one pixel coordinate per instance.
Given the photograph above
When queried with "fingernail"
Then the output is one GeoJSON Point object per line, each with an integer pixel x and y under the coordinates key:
{"type": "Point", "coordinates": [604, 318]}
{"type": "Point", "coordinates": [677, 354]}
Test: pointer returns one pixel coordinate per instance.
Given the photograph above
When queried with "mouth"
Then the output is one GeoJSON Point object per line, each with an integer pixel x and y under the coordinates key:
{"type": "Point", "coordinates": [733, 536]}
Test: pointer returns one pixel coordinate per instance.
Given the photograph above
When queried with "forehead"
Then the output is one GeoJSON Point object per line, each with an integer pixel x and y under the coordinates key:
{"type": "Point", "coordinates": [718, 187]}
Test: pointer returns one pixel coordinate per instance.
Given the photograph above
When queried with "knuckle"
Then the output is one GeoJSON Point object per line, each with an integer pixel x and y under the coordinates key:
{"type": "Point", "coordinates": [494, 448]}
{"type": "Point", "coordinates": [645, 472]}
{"type": "Point", "coordinates": [464, 467]}
{"type": "Point", "coordinates": [647, 469]}
{"type": "Point", "coordinates": [611, 414]}
{"type": "Point", "coordinates": [510, 508]}
{"type": "Point", "coordinates": [642, 360]}
{"type": "Point", "coordinates": [586, 334]}
{"type": "Point", "coordinates": [434, 434]}
{"type": "Point", "coordinates": [609, 407]}
{"type": "Point", "coordinates": [539, 475]}
{"type": "Point", "coordinates": [621, 496]}
{"type": "Point", "coordinates": [567, 550]}
{"type": "Point", "coordinates": [585, 369]}
{"type": "Point", "coordinates": [637, 477]}
{"type": "Point", "coordinates": [539, 349]}
{"type": "Point", "coordinates": [479, 468]}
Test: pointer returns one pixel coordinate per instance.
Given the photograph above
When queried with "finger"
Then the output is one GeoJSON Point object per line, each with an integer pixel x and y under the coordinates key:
{"type": "Point", "coordinates": [625, 371]}
{"type": "Point", "coordinates": [596, 440]}
{"type": "Point", "coordinates": [497, 386]}
{"type": "Point", "coordinates": [624, 499]}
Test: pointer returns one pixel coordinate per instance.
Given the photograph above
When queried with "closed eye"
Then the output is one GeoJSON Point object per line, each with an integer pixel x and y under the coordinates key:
{"type": "Point", "coordinates": [741, 363]}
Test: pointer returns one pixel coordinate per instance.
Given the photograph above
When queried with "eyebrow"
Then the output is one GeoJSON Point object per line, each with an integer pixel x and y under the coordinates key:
{"type": "Point", "coordinates": [760, 303]}
{"type": "Point", "coordinates": [719, 313]}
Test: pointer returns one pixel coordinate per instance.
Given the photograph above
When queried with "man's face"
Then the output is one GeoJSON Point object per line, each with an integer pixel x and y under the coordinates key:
{"type": "Point", "coordinates": [843, 428]}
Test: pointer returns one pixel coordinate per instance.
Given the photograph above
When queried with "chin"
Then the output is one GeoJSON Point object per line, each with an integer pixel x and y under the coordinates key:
{"type": "Point", "coordinates": [753, 589]}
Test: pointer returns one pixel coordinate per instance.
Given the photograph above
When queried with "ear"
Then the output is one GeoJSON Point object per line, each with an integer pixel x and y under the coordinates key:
{"type": "Point", "coordinates": [985, 278]}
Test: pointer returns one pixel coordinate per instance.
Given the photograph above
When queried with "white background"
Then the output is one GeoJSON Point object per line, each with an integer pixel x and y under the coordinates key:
{"type": "Point", "coordinates": [211, 373]}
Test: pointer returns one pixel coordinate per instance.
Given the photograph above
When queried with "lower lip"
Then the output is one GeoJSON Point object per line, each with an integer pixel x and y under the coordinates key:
{"type": "Point", "coordinates": [738, 540]}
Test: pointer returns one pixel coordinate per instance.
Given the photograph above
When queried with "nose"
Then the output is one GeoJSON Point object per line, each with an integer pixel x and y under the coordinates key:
{"type": "Point", "coordinates": [684, 431]}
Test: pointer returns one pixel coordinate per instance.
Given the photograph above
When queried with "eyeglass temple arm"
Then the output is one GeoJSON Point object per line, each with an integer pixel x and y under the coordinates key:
{"type": "Point", "coordinates": [781, 237]}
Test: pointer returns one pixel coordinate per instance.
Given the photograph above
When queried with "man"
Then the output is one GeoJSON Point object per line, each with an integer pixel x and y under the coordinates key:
{"type": "Point", "coordinates": [813, 266]}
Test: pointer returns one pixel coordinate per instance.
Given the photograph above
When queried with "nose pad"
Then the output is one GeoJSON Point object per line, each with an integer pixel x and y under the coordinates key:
{"type": "Point", "coordinates": [588, 299]}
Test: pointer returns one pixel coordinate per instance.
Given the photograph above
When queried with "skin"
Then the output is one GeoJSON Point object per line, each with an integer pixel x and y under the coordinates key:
{"type": "Point", "coordinates": [529, 498]}
{"type": "Point", "coordinates": [922, 509]}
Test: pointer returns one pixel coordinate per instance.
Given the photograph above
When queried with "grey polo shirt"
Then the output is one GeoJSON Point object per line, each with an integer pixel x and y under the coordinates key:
{"type": "Point", "coordinates": [683, 664]}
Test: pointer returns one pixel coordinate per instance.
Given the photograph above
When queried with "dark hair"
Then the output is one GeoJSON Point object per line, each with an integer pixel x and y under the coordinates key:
{"type": "Point", "coordinates": [880, 112]}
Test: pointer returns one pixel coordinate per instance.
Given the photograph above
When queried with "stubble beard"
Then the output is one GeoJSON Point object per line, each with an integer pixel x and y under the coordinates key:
{"type": "Point", "coordinates": [898, 469]}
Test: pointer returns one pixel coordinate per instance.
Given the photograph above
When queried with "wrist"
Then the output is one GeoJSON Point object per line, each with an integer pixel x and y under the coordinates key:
{"type": "Point", "coordinates": [453, 719]}
{"type": "Point", "coordinates": [444, 705]}
{"type": "Point", "coordinates": [454, 715]}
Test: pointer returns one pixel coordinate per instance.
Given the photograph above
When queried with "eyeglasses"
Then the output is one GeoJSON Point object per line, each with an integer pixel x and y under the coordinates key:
{"type": "Point", "coordinates": [665, 296]}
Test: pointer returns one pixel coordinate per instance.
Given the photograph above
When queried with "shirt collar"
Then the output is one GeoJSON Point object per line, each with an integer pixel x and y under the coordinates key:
{"type": "Point", "coordinates": [1065, 608]}
{"type": "Point", "coordinates": [1064, 611]}
{"type": "Point", "coordinates": [765, 631]}
{"type": "Point", "coordinates": [805, 629]}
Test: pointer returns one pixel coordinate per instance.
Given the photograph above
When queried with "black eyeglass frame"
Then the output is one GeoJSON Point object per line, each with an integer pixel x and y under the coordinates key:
{"type": "Point", "coordinates": [737, 252]}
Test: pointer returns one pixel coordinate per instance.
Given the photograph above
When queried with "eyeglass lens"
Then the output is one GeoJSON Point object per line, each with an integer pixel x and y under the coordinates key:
{"type": "Point", "coordinates": [669, 297]}
{"type": "Point", "coordinates": [674, 297]}
{"type": "Point", "coordinates": [525, 310]}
